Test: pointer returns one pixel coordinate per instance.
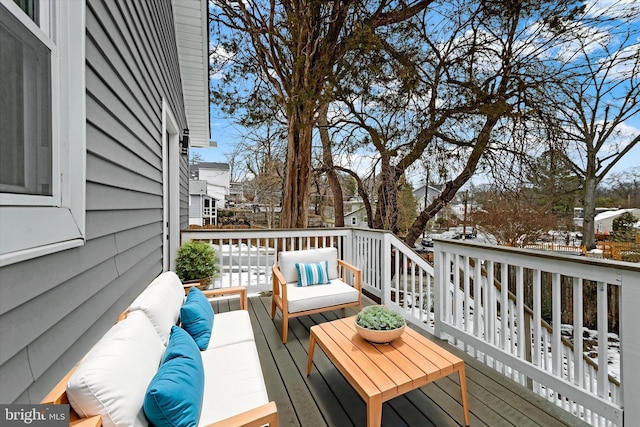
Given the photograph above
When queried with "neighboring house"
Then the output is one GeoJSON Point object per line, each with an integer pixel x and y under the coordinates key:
{"type": "Point", "coordinates": [418, 193]}
{"type": "Point", "coordinates": [103, 90]}
{"type": "Point", "coordinates": [603, 221]}
{"type": "Point", "coordinates": [217, 176]}
{"type": "Point", "coordinates": [356, 218]}
{"type": "Point", "coordinates": [203, 209]}
{"type": "Point", "coordinates": [578, 215]}
{"type": "Point", "coordinates": [236, 192]}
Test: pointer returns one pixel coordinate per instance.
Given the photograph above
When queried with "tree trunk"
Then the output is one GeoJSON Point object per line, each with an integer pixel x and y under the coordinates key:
{"type": "Point", "coordinates": [450, 189]}
{"type": "Point", "coordinates": [327, 159]}
{"type": "Point", "coordinates": [589, 211]}
{"type": "Point", "coordinates": [295, 197]}
{"type": "Point", "coordinates": [386, 217]}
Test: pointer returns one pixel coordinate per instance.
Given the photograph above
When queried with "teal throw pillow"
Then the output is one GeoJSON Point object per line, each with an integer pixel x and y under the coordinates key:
{"type": "Point", "coordinates": [196, 315]}
{"type": "Point", "coordinates": [174, 396]}
{"type": "Point", "coordinates": [316, 273]}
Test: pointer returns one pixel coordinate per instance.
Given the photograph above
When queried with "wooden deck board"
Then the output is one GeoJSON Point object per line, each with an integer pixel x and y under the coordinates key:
{"type": "Point", "coordinates": [325, 398]}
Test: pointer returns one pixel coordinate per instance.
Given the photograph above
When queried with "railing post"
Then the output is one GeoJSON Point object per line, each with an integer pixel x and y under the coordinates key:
{"type": "Point", "coordinates": [630, 346]}
{"type": "Point", "coordinates": [439, 285]}
{"type": "Point", "coordinates": [349, 242]}
{"type": "Point", "coordinates": [385, 262]}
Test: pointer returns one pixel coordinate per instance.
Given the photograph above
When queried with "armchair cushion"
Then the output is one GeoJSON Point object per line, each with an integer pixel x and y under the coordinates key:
{"type": "Point", "coordinates": [316, 273]}
{"type": "Point", "coordinates": [174, 396]}
{"type": "Point", "coordinates": [196, 316]}
{"type": "Point", "coordinates": [313, 297]}
{"type": "Point", "coordinates": [287, 261]}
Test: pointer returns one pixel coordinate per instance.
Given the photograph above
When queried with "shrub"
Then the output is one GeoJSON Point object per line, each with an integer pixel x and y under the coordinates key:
{"type": "Point", "coordinates": [196, 260]}
{"type": "Point", "coordinates": [379, 318]}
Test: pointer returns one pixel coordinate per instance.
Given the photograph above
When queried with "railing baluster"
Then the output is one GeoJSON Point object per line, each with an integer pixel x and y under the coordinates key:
{"type": "Point", "coordinates": [578, 343]}
{"type": "Point", "coordinates": [490, 312]}
{"type": "Point", "coordinates": [556, 317]}
{"type": "Point", "coordinates": [504, 305]}
{"type": "Point", "coordinates": [603, 341]}
{"type": "Point", "coordinates": [520, 308]}
{"type": "Point", "coordinates": [537, 319]}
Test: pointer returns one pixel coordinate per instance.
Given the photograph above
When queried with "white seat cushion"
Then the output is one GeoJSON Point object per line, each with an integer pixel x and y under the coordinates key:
{"type": "Point", "coordinates": [231, 327]}
{"type": "Point", "coordinates": [318, 296]}
{"type": "Point", "coordinates": [233, 382]}
{"type": "Point", "coordinates": [112, 379]}
{"type": "Point", "coordinates": [161, 302]}
{"type": "Point", "coordinates": [287, 261]}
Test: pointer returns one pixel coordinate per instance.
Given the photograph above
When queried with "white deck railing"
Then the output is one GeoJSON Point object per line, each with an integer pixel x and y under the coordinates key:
{"type": "Point", "coordinates": [514, 340]}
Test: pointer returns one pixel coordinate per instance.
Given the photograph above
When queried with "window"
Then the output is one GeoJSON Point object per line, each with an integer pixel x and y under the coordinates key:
{"type": "Point", "coordinates": [42, 127]}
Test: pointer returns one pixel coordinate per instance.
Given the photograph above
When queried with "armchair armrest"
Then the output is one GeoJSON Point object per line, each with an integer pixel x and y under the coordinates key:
{"type": "Point", "coordinates": [357, 273]}
{"type": "Point", "coordinates": [279, 284]}
{"type": "Point", "coordinates": [265, 414]}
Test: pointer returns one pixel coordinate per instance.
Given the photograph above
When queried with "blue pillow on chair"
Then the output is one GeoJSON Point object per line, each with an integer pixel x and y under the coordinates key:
{"type": "Point", "coordinates": [196, 315]}
{"type": "Point", "coordinates": [174, 395]}
{"type": "Point", "coordinates": [316, 273]}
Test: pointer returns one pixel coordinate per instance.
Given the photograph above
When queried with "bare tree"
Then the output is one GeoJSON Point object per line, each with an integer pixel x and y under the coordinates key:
{"type": "Point", "coordinates": [471, 86]}
{"type": "Point", "coordinates": [511, 218]}
{"type": "Point", "coordinates": [601, 85]}
{"type": "Point", "coordinates": [292, 49]}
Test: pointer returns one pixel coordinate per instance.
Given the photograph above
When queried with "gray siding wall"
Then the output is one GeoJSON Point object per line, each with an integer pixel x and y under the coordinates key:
{"type": "Point", "coordinates": [195, 211]}
{"type": "Point", "coordinates": [54, 308]}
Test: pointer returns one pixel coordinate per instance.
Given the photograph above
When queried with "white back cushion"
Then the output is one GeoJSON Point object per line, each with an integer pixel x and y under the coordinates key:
{"type": "Point", "coordinates": [287, 261]}
{"type": "Point", "coordinates": [112, 379]}
{"type": "Point", "coordinates": [161, 302]}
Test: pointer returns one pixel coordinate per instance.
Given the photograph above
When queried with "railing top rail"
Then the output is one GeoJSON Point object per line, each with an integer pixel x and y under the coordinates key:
{"type": "Point", "coordinates": [210, 233]}
{"type": "Point", "coordinates": [589, 268]}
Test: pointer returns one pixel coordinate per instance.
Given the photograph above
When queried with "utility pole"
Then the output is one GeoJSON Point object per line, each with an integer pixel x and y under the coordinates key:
{"type": "Point", "coordinates": [426, 196]}
{"type": "Point", "coordinates": [464, 219]}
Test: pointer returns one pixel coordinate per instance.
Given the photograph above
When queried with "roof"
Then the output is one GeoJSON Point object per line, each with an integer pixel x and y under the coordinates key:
{"type": "Point", "coordinates": [197, 187]}
{"type": "Point", "coordinates": [612, 214]}
{"type": "Point", "coordinates": [210, 165]}
{"type": "Point", "coordinates": [192, 39]}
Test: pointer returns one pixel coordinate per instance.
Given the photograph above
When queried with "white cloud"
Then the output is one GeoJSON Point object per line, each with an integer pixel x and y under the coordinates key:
{"type": "Point", "coordinates": [624, 10]}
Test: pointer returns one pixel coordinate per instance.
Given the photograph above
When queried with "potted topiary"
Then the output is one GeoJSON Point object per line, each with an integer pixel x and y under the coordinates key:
{"type": "Point", "coordinates": [196, 263]}
{"type": "Point", "coordinates": [379, 324]}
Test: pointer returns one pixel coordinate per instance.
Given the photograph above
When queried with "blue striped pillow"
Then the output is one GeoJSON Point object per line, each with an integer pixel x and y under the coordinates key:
{"type": "Point", "coordinates": [313, 274]}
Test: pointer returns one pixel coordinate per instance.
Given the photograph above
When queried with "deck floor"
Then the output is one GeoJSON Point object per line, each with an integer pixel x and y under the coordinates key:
{"type": "Point", "coordinates": [325, 398]}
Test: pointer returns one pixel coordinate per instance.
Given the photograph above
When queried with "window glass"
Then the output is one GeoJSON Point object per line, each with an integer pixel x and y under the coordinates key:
{"type": "Point", "coordinates": [25, 111]}
{"type": "Point", "coordinates": [30, 7]}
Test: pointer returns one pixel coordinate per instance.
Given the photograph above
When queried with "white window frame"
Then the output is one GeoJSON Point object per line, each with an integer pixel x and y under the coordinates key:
{"type": "Point", "coordinates": [32, 226]}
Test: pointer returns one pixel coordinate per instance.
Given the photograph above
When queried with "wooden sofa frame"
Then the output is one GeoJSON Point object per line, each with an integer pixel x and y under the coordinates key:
{"type": "Point", "coordinates": [279, 296]}
{"type": "Point", "coordinates": [256, 417]}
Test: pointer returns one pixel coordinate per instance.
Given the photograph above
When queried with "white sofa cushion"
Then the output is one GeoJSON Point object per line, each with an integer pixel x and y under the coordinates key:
{"type": "Point", "coordinates": [312, 297]}
{"type": "Point", "coordinates": [231, 327]}
{"type": "Point", "coordinates": [161, 302]}
{"type": "Point", "coordinates": [233, 382]}
{"type": "Point", "coordinates": [287, 261]}
{"type": "Point", "coordinates": [113, 378]}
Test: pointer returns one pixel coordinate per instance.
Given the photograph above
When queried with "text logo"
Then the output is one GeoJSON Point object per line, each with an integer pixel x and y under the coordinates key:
{"type": "Point", "coordinates": [34, 415]}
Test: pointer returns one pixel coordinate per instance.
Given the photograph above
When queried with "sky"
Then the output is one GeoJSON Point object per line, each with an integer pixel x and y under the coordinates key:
{"type": "Point", "coordinates": [227, 135]}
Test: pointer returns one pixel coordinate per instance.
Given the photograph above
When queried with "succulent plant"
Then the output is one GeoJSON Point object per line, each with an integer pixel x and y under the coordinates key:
{"type": "Point", "coordinates": [379, 318]}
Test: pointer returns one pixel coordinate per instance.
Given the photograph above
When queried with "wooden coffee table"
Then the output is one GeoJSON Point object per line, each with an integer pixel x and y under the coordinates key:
{"type": "Point", "coordinates": [381, 372]}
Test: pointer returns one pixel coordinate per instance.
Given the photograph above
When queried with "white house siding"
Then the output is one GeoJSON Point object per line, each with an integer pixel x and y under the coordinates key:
{"type": "Point", "coordinates": [604, 220]}
{"type": "Point", "coordinates": [54, 308]}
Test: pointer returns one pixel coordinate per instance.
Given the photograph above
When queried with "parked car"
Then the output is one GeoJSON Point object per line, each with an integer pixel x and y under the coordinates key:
{"type": "Point", "coordinates": [427, 241]}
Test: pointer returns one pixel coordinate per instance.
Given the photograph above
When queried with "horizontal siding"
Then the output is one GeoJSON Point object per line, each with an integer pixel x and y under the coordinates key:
{"type": "Point", "coordinates": [54, 308]}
